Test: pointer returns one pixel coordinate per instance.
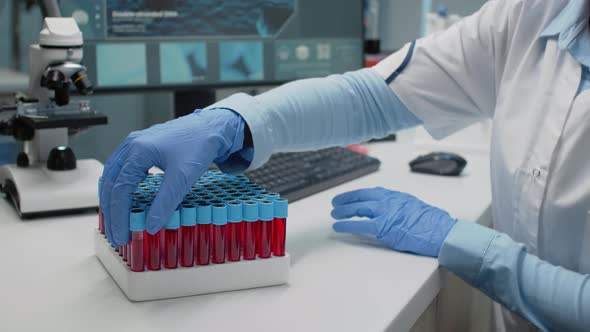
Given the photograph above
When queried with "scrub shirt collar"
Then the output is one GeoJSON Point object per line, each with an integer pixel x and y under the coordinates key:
{"type": "Point", "coordinates": [570, 28]}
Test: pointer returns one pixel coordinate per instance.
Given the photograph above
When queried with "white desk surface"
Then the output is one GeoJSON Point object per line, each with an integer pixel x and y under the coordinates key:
{"type": "Point", "coordinates": [51, 281]}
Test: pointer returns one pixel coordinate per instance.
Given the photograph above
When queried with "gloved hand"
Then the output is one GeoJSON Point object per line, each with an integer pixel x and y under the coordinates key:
{"type": "Point", "coordinates": [184, 148]}
{"type": "Point", "coordinates": [401, 221]}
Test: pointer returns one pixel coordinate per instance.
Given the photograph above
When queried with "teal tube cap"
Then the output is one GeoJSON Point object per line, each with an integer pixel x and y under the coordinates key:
{"type": "Point", "coordinates": [250, 211]}
{"type": "Point", "coordinates": [272, 196]}
{"type": "Point", "coordinates": [174, 221]}
{"type": "Point", "coordinates": [265, 210]}
{"type": "Point", "coordinates": [203, 213]}
{"type": "Point", "coordinates": [234, 211]}
{"type": "Point", "coordinates": [137, 220]}
{"type": "Point", "coordinates": [188, 215]}
{"type": "Point", "coordinates": [219, 214]}
{"type": "Point", "coordinates": [281, 207]}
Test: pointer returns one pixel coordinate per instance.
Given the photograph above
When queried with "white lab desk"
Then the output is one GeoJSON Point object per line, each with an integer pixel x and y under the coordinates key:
{"type": "Point", "coordinates": [51, 281]}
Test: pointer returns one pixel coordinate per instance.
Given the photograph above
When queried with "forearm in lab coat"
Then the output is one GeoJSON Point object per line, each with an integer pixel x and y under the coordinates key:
{"type": "Point", "coordinates": [552, 298]}
{"type": "Point", "coordinates": [317, 113]}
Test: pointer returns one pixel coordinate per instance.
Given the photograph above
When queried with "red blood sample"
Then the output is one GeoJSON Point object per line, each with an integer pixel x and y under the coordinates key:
{"type": "Point", "coordinates": [128, 253]}
{"type": "Point", "coordinates": [218, 234]}
{"type": "Point", "coordinates": [279, 232]}
{"type": "Point", "coordinates": [187, 245]}
{"type": "Point", "coordinates": [202, 243]}
{"type": "Point", "coordinates": [263, 238]}
{"type": "Point", "coordinates": [249, 232]}
{"type": "Point", "coordinates": [136, 256]}
{"type": "Point", "coordinates": [100, 221]}
{"type": "Point", "coordinates": [233, 245]}
{"type": "Point", "coordinates": [153, 250]}
{"type": "Point", "coordinates": [124, 252]}
{"type": "Point", "coordinates": [171, 248]}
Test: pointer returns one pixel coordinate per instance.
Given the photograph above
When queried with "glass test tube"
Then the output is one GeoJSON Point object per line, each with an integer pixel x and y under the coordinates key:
{"type": "Point", "coordinates": [137, 228]}
{"type": "Point", "coordinates": [279, 227]}
{"type": "Point", "coordinates": [188, 221]}
{"type": "Point", "coordinates": [218, 233]}
{"type": "Point", "coordinates": [100, 215]}
{"type": "Point", "coordinates": [264, 235]}
{"type": "Point", "coordinates": [100, 221]}
{"type": "Point", "coordinates": [250, 226]}
{"type": "Point", "coordinates": [171, 241]}
{"type": "Point", "coordinates": [203, 234]}
{"type": "Point", "coordinates": [153, 250]}
{"type": "Point", "coordinates": [234, 231]}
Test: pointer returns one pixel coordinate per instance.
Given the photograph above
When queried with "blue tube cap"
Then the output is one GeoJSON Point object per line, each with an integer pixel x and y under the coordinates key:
{"type": "Point", "coordinates": [265, 210]}
{"type": "Point", "coordinates": [203, 213]}
{"type": "Point", "coordinates": [281, 207]}
{"type": "Point", "coordinates": [234, 211]}
{"type": "Point", "coordinates": [219, 214]}
{"type": "Point", "coordinates": [188, 215]}
{"type": "Point", "coordinates": [174, 221]}
{"type": "Point", "coordinates": [272, 196]}
{"type": "Point", "coordinates": [250, 209]}
{"type": "Point", "coordinates": [137, 220]}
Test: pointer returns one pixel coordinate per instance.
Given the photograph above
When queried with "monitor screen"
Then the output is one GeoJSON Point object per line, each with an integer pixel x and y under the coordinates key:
{"type": "Point", "coordinates": [175, 44]}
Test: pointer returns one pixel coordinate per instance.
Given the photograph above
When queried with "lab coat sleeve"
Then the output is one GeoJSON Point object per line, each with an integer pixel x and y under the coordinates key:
{"type": "Point", "coordinates": [316, 113]}
{"type": "Point", "coordinates": [552, 298]}
{"type": "Point", "coordinates": [453, 76]}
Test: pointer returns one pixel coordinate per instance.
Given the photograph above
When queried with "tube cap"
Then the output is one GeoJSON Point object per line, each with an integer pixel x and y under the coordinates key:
{"type": "Point", "coordinates": [265, 210]}
{"type": "Point", "coordinates": [234, 211]}
{"type": "Point", "coordinates": [219, 214]}
{"type": "Point", "coordinates": [281, 208]}
{"type": "Point", "coordinates": [203, 213]}
{"type": "Point", "coordinates": [272, 196]}
{"type": "Point", "coordinates": [137, 220]}
{"type": "Point", "coordinates": [188, 215]}
{"type": "Point", "coordinates": [174, 221]}
{"type": "Point", "coordinates": [250, 211]}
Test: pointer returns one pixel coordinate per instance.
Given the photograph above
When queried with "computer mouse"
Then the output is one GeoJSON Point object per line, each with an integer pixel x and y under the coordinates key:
{"type": "Point", "coordinates": [439, 163]}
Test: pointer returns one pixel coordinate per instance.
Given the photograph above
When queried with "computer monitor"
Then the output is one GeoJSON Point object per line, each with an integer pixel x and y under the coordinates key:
{"type": "Point", "coordinates": [188, 44]}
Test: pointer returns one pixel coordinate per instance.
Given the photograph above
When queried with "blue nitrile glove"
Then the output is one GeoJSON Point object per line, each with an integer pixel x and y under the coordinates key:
{"type": "Point", "coordinates": [401, 221]}
{"type": "Point", "coordinates": [184, 148]}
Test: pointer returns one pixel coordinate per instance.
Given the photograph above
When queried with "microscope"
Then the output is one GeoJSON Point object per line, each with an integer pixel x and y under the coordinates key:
{"type": "Point", "coordinates": [47, 179]}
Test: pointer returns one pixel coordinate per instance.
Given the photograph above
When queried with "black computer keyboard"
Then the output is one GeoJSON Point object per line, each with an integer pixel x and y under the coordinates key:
{"type": "Point", "coordinates": [297, 175]}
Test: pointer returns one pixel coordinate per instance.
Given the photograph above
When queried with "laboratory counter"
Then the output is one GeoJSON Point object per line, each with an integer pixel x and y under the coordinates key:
{"type": "Point", "coordinates": [51, 280]}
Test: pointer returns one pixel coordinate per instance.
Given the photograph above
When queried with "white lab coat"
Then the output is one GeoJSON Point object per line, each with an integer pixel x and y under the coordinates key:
{"type": "Point", "coordinates": [494, 65]}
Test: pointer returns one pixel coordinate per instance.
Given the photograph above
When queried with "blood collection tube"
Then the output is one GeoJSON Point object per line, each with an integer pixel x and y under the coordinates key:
{"type": "Point", "coordinates": [188, 221]}
{"type": "Point", "coordinates": [218, 233]}
{"type": "Point", "coordinates": [279, 227]}
{"type": "Point", "coordinates": [100, 221]}
{"type": "Point", "coordinates": [124, 253]}
{"type": "Point", "coordinates": [203, 234]}
{"type": "Point", "coordinates": [264, 236]}
{"type": "Point", "coordinates": [171, 241]}
{"type": "Point", "coordinates": [137, 228]}
{"type": "Point", "coordinates": [234, 231]}
{"type": "Point", "coordinates": [153, 250]}
{"type": "Point", "coordinates": [250, 226]}
{"type": "Point", "coordinates": [100, 215]}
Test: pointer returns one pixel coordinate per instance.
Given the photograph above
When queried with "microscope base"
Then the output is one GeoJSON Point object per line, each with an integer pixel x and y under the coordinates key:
{"type": "Point", "coordinates": [36, 191]}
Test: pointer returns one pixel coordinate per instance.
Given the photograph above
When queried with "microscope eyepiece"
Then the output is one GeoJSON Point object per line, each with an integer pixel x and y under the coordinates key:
{"type": "Point", "coordinates": [82, 82]}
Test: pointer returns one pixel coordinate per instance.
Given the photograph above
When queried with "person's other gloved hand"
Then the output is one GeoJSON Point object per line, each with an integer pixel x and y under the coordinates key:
{"type": "Point", "coordinates": [401, 221]}
{"type": "Point", "coordinates": [184, 148]}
